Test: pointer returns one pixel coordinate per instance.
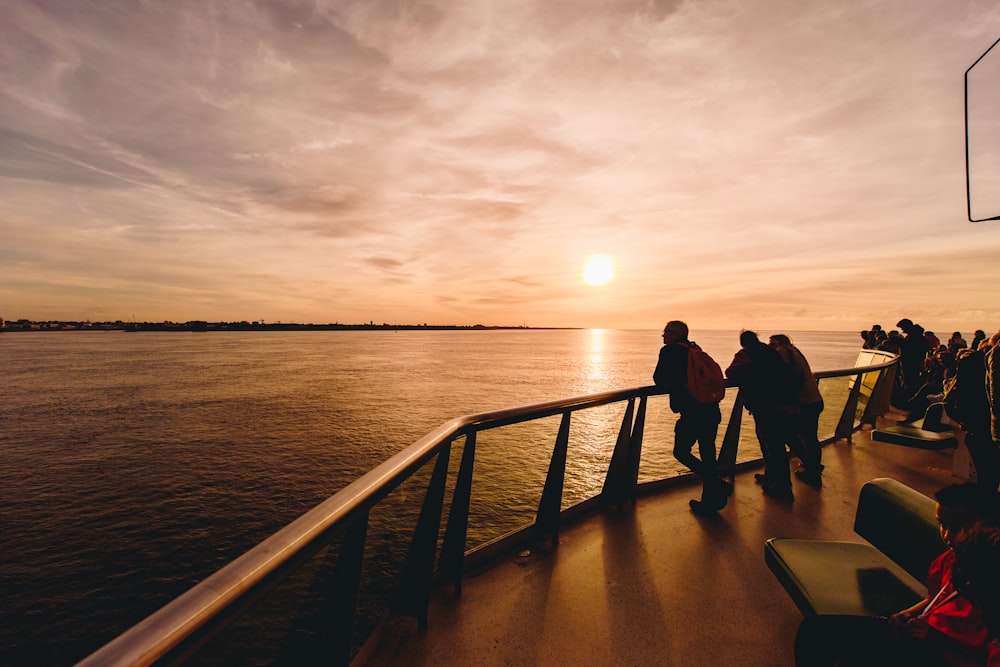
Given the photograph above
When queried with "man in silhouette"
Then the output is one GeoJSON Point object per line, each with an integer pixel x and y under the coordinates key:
{"type": "Point", "coordinates": [770, 395]}
{"type": "Point", "coordinates": [810, 406]}
{"type": "Point", "coordinates": [911, 359]}
{"type": "Point", "coordinates": [698, 422]}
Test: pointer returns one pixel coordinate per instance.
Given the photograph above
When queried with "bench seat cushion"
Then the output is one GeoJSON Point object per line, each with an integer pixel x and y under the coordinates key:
{"type": "Point", "coordinates": [829, 577]}
{"type": "Point", "coordinates": [910, 435]}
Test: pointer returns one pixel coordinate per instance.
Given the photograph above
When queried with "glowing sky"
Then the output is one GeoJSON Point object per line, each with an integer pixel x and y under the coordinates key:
{"type": "Point", "coordinates": [769, 164]}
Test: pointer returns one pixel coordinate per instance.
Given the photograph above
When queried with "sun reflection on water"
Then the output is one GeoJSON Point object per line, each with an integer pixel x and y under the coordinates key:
{"type": "Point", "coordinates": [598, 368]}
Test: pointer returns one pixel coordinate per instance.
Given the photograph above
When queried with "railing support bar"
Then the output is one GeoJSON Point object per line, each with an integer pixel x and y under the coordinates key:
{"type": "Point", "coordinates": [731, 440]}
{"type": "Point", "coordinates": [845, 427]}
{"type": "Point", "coordinates": [635, 449]}
{"type": "Point", "coordinates": [342, 598]}
{"type": "Point", "coordinates": [413, 594]}
{"type": "Point", "coordinates": [871, 411]}
{"type": "Point", "coordinates": [881, 398]}
{"type": "Point", "coordinates": [547, 517]}
{"type": "Point", "coordinates": [452, 561]}
{"type": "Point", "coordinates": [614, 491]}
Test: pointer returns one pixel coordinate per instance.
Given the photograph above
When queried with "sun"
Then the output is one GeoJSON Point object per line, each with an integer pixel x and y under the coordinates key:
{"type": "Point", "coordinates": [599, 270]}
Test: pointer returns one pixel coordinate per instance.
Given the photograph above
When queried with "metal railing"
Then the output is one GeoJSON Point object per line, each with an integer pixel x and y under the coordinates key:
{"type": "Point", "coordinates": [180, 629]}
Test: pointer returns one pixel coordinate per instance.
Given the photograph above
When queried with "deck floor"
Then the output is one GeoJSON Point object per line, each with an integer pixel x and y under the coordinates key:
{"type": "Point", "coordinates": [655, 584]}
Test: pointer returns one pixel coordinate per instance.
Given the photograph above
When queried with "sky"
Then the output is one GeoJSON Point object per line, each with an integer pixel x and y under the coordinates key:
{"type": "Point", "coordinates": [775, 164]}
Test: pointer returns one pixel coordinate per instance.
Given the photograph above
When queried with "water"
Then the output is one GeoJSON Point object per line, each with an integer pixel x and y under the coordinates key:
{"type": "Point", "coordinates": [134, 465]}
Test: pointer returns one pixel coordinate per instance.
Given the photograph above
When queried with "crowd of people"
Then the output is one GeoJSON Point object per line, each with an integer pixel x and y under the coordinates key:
{"type": "Point", "coordinates": [781, 393]}
{"type": "Point", "coordinates": [958, 623]}
{"type": "Point", "coordinates": [964, 376]}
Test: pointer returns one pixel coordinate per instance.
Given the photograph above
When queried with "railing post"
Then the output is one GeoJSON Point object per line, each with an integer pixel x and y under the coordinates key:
{"type": "Point", "coordinates": [731, 440]}
{"type": "Point", "coordinates": [342, 598]}
{"type": "Point", "coordinates": [878, 403]}
{"type": "Point", "coordinates": [871, 410]}
{"type": "Point", "coordinates": [452, 561]}
{"type": "Point", "coordinates": [635, 448]}
{"type": "Point", "coordinates": [547, 518]}
{"type": "Point", "coordinates": [845, 427]}
{"type": "Point", "coordinates": [615, 485]}
{"type": "Point", "coordinates": [413, 594]}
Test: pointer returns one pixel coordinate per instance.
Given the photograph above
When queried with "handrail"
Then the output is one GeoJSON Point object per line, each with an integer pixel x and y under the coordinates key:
{"type": "Point", "coordinates": [180, 628]}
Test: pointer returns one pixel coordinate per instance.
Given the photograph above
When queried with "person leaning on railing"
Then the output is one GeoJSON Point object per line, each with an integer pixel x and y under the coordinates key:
{"type": "Point", "coordinates": [698, 422]}
{"type": "Point", "coordinates": [807, 447]}
{"type": "Point", "coordinates": [770, 395]}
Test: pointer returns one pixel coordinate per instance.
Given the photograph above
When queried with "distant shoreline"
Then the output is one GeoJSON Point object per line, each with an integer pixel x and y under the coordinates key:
{"type": "Point", "coordinates": [199, 326]}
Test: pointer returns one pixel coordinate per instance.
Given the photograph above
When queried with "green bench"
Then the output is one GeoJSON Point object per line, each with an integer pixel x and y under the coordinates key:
{"type": "Point", "coordinates": [930, 432]}
{"type": "Point", "coordinates": [877, 578]}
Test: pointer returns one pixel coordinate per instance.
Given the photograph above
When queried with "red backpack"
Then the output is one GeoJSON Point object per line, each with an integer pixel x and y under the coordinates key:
{"type": "Point", "coordinates": [705, 381]}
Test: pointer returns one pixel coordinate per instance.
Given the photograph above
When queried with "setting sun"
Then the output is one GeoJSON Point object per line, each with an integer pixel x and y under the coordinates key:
{"type": "Point", "coordinates": [598, 270]}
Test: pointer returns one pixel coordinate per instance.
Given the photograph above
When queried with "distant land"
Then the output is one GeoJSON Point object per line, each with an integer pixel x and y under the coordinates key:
{"type": "Point", "coordinates": [200, 325]}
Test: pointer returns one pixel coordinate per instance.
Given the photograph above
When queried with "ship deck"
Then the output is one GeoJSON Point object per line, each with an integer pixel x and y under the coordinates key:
{"type": "Point", "coordinates": [654, 584]}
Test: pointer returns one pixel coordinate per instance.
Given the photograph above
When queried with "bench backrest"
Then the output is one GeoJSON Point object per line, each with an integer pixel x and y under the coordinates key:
{"type": "Point", "coordinates": [934, 419]}
{"type": "Point", "coordinates": [901, 523]}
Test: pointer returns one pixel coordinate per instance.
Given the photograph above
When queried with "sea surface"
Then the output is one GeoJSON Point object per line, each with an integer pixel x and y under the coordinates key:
{"type": "Point", "coordinates": [133, 465]}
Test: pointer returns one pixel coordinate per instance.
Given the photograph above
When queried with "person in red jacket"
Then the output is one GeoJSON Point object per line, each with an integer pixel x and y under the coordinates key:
{"type": "Point", "coordinates": [978, 578]}
{"type": "Point", "coordinates": [947, 627]}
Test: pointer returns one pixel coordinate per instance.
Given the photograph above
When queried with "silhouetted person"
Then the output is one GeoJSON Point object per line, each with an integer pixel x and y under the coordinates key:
{"type": "Point", "coordinates": [992, 355]}
{"type": "Point", "coordinates": [873, 337]}
{"type": "Point", "coordinates": [769, 394]}
{"type": "Point", "coordinates": [937, 368]}
{"type": "Point", "coordinates": [810, 406]}
{"type": "Point", "coordinates": [893, 343]}
{"type": "Point", "coordinates": [698, 422]}
{"type": "Point", "coordinates": [977, 338]}
{"type": "Point", "coordinates": [956, 342]}
{"type": "Point", "coordinates": [967, 403]}
{"type": "Point", "coordinates": [911, 359]}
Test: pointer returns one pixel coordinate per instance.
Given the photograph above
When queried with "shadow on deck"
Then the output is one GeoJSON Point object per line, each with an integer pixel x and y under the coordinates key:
{"type": "Point", "coordinates": [654, 584]}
